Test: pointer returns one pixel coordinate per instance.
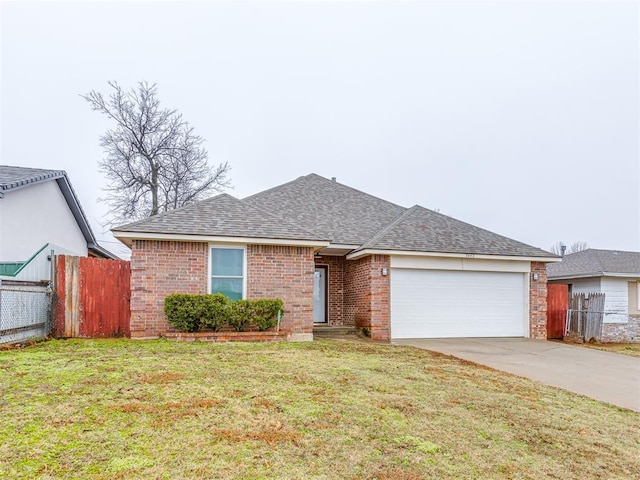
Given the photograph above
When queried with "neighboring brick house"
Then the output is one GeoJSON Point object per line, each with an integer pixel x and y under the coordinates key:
{"type": "Point", "coordinates": [339, 257]}
{"type": "Point", "coordinates": [614, 273]}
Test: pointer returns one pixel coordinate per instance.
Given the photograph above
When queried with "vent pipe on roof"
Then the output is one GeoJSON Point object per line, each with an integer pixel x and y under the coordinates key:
{"type": "Point", "coordinates": [563, 248]}
{"type": "Point", "coordinates": [333, 179]}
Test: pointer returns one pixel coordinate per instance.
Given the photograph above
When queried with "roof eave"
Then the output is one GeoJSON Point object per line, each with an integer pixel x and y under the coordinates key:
{"type": "Point", "coordinates": [575, 276]}
{"type": "Point", "coordinates": [74, 205]}
{"type": "Point", "coordinates": [128, 237]}
{"type": "Point", "coordinates": [370, 251]}
{"type": "Point", "coordinates": [102, 252]}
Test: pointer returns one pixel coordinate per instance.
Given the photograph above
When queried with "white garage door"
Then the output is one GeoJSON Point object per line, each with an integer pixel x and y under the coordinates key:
{"type": "Point", "coordinates": [450, 303]}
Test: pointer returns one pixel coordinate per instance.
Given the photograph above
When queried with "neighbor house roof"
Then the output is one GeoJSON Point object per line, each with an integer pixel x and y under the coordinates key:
{"type": "Point", "coordinates": [14, 178]}
{"type": "Point", "coordinates": [596, 263]}
{"type": "Point", "coordinates": [315, 208]}
{"type": "Point", "coordinates": [219, 216]}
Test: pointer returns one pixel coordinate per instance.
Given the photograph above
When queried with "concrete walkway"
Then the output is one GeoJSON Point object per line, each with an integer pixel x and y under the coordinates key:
{"type": "Point", "coordinates": [611, 377]}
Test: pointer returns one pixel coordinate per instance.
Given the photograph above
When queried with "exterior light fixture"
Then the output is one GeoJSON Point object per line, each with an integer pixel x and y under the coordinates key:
{"type": "Point", "coordinates": [534, 276]}
{"type": "Point", "coordinates": [384, 271]}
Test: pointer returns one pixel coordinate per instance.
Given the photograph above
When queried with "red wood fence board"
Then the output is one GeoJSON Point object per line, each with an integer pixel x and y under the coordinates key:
{"type": "Point", "coordinates": [557, 305]}
{"type": "Point", "coordinates": [92, 297]}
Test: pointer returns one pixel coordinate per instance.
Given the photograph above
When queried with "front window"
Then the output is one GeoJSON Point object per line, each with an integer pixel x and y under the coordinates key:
{"type": "Point", "coordinates": [227, 272]}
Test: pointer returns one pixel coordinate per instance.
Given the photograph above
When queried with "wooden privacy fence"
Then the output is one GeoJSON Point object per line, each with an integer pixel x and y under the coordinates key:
{"type": "Point", "coordinates": [557, 305]}
{"type": "Point", "coordinates": [91, 297]}
{"type": "Point", "coordinates": [585, 315]}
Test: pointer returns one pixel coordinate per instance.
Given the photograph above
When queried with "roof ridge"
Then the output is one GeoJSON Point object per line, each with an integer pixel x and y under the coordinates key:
{"type": "Point", "coordinates": [355, 190]}
{"type": "Point", "coordinates": [331, 182]}
{"type": "Point", "coordinates": [277, 186]}
{"type": "Point", "coordinates": [388, 228]}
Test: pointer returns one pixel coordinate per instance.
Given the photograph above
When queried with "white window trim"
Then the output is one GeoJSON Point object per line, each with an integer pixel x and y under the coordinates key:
{"type": "Point", "coordinates": [244, 265]}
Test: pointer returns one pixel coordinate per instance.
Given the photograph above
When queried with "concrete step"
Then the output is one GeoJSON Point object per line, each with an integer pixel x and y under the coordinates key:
{"type": "Point", "coordinates": [326, 331]}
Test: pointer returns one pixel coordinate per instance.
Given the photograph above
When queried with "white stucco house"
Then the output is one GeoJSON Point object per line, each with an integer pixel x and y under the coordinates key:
{"type": "Point", "coordinates": [614, 273]}
{"type": "Point", "coordinates": [40, 214]}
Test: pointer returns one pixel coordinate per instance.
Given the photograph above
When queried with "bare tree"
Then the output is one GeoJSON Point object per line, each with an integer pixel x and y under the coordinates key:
{"type": "Point", "coordinates": [559, 248]}
{"type": "Point", "coordinates": [578, 246]}
{"type": "Point", "coordinates": [153, 159]}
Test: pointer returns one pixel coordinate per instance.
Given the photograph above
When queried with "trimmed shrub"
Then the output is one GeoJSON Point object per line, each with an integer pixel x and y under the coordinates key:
{"type": "Point", "coordinates": [265, 313]}
{"type": "Point", "coordinates": [215, 311]}
{"type": "Point", "coordinates": [240, 315]}
{"type": "Point", "coordinates": [190, 313]}
{"type": "Point", "coordinates": [183, 312]}
{"type": "Point", "coordinates": [262, 313]}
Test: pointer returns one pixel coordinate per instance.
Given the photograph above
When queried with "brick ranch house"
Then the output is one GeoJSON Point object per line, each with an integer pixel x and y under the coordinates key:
{"type": "Point", "coordinates": [339, 257]}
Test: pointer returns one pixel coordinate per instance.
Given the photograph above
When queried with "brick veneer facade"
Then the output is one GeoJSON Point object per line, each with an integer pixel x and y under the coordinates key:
{"type": "Point", "coordinates": [359, 294]}
{"type": "Point", "coordinates": [160, 268]}
{"type": "Point", "coordinates": [538, 301]}
{"type": "Point", "coordinates": [275, 271]}
{"type": "Point", "coordinates": [366, 295]}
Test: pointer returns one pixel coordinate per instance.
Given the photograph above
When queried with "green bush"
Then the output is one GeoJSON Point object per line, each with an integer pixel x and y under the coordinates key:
{"type": "Point", "coordinates": [190, 313]}
{"type": "Point", "coordinates": [240, 315]}
{"type": "Point", "coordinates": [265, 313]}
{"type": "Point", "coordinates": [183, 312]}
{"type": "Point", "coordinates": [262, 313]}
{"type": "Point", "coordinates": [215, 311]}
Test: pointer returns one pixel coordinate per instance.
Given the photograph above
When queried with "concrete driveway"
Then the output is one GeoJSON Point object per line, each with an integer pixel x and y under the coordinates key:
{"type": "Point", "coordinates": [611, 377]}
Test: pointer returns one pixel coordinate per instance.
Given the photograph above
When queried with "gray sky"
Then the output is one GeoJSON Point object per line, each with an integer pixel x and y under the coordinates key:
{"type": "Point", "coordinates": [522, 118]}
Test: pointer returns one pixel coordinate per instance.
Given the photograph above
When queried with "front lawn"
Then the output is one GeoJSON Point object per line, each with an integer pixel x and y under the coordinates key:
{"type": "Point", "coordinates": [325, 410]}
{"type": "Point", "coordinates": [632, 349]}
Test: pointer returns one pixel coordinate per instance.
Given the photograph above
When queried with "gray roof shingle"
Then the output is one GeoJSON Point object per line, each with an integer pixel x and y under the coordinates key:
{"type": "Point", "coordinates": [222, 215]}
{"type": "Point", "coordinates": [14, 177]}
{"type": "Point", "coordinates": [329, 209]}
{"type": "Point", "coordinates": [315, 208]}
{"type": "Point", "coordinates": [423, 230]}
{"type": "Point", "coordinates": [595, 263]}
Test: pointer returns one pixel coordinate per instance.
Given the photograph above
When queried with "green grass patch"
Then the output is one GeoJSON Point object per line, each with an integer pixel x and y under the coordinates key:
{"type": "Point", "coordinates": [156, 409]}
{"type": "Point", "coordinates": [631, 349]}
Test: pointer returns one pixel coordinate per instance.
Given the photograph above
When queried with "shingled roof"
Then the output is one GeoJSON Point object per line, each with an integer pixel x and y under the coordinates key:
{"type": "Point", "coordinates": [315, 208]}
{"type": "Point", "coordinates": [222, 215]}
{"type": "Point", "coordinates": [596, 263]}
{"type": "Point", "coordinates": [329, 209]}
{"type": "Point", "coordinates": [422, 230]}
{"type": "Point", "coordinates": [13, 178]}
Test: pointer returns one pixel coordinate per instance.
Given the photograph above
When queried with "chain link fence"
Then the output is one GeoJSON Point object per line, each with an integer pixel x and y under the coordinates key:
{"type": "Point", "coordinates": [25, 312]}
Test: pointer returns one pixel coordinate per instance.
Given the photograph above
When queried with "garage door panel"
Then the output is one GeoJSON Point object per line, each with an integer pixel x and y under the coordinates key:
{"type": "Point", "coordinates": [440, 303]}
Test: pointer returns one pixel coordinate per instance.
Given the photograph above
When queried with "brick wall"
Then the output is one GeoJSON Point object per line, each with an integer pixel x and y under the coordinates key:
{"type": "Point", "coordinates": [275, 271]}
{"type": "Point", "coordinates": [335, 267]}
{"type": "Point", "coordinates": [538, 302]}
{"type": "Point", "coordinates": [158, 269]}
{"type": "Point", "coordinates": [628, 332]}
{"type": "Point", "coordinates": [366, 295]}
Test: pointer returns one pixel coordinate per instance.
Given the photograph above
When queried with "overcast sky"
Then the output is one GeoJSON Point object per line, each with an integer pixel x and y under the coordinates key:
{"type": "Point", "coordinates": [522, 118]}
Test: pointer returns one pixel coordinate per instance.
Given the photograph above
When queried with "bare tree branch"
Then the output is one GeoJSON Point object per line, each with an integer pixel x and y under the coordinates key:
{"type": "Point", "coordinates": [153, 159]}
{"type": "Point", "coordinates": [559, 248]}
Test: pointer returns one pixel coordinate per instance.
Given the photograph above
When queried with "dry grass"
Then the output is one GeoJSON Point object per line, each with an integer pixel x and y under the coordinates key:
{"type": "Point", "coordinates": [322, 410]}
{"type": "Point", "coordinates": [632, 349]}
